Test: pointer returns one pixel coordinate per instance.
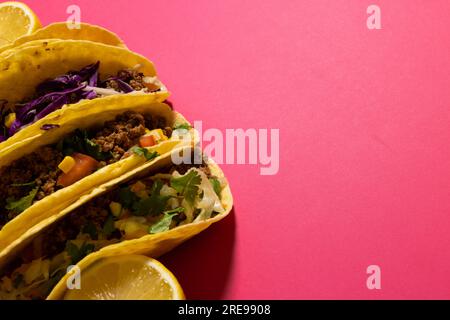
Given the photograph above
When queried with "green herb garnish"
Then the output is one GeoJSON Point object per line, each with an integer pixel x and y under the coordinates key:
{"type": "Point", "coordinates": [76, 254]}
{"type": "Point", "coordinates": [164, 223]}
{"type": "Point", "coordinates": [153, 205]}
{"type": "Point", "coordinates": [185, 126]}
{"type": "Point", "coordinates": [144, 152]}
{"type": "Point", "coordinates": [80, 142]}
{"type": "Point", "coordinates": [187, 185]}
{"type": "Point", "coordinates": [28, 184]}
{"type": "Point", "coordinates": [127, 198]}
{"type": "Point", "coordinates": [22, 204]}
{"type": "Point", "coordinates": [109, 227]}
{"type": "Point", "coordinates": [91, 230]}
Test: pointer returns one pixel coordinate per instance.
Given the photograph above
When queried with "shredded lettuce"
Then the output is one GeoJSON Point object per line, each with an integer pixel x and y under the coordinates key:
{"type": "Point", "coordinates": [164, 223]}
{"type": "Point", "coordinates": [202, 196]}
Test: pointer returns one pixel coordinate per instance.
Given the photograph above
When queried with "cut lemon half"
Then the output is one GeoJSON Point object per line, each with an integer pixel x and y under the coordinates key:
{"type": "Point", "coordinates": [16, 20]}
{"type": "Point", "coordinates": [129, 277]}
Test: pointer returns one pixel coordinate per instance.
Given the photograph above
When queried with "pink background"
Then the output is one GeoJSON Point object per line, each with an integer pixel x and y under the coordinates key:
{"type": "Point", "coordinates": [364, 118]}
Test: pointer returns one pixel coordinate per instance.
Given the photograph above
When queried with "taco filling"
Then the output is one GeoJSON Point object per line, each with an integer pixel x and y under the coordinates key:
{"type": "Point", "coordinates": [51, 168]}
{"type": "Point", "coordinates": [71, 88]}
{"type": "Point", "coordinates": [180, 195]}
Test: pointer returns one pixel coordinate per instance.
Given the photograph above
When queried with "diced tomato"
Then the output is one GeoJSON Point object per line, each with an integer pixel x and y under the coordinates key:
{"type": "Point", "coordinates": [84, 166]}
{"type": "Point", "coordinates": [147, 141]}
{"type": "Point", "coordinates": [152, 87]}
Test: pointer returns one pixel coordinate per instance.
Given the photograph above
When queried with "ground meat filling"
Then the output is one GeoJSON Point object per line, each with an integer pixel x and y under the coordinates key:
{"type": "Point", "coordinates": [132, 77]}
{"type": "Point", "coordinates": [121, 134]}
{"type": "Point", "coordinates": [55, 238]}
{"type": "Point", "coordinates": [94, 213]}
{"type": "Point", "coordinates": [40, 169]}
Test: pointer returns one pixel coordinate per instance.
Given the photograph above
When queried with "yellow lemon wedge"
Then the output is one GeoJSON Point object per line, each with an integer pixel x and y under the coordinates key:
{"type": "Point", "coordinates": [16, 20]}
{"type": "Point", "coordinates": [127, 277]}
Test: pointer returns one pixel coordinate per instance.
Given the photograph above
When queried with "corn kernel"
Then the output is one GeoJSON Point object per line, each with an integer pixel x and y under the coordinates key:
{"type": "Point", "coordinates": [161, 135]}
{"type": "Point", "coordinates": [9, 120]}
{"type": "Point", "coordinates": [116, 208]}
{"type": "Point", "coordinates": [67, 164]}
{"type": "Point", "coordinates": [158, 134]}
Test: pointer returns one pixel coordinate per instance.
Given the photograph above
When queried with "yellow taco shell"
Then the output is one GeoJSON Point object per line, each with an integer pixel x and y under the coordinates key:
{"type": "Point", "coordinates": [60, 30]}
{"type": "Point", "coordinates": [88, 113]}
{"type": "Point", "coordinates": [152, 245]}
{"type": "Point", "coordinates": [25, 67]}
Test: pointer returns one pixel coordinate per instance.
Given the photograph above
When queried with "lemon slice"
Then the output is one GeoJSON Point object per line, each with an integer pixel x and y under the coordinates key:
{"type": "Point", "coordinates": [16, 20]}
{"type": "Point", "coordinates": [129, 277]}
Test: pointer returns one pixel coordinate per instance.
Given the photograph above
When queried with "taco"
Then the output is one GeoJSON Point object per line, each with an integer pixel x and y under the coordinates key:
{"type": "Point", "coordinates": [61, 30]}
{"type": "Point", "coordinates": [74, 150]}
{"type": "Point", "coordinates": [42, 76]}
{"type": "Point", "coordinates": [149, 210]}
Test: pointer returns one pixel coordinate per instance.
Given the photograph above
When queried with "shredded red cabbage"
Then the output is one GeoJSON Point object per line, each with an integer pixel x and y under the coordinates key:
{"type": "Point", "coordinates": [55, 93]}
{"type": "Point", "coordinates": [71, 80]}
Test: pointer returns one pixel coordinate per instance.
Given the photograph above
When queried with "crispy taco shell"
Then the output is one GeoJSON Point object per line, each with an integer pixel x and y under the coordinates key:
{"type": "Point", "coordinates": [23, 68]}
{"type": "Point", "coordinates": [29, 66]}
{"type": "Point", "coordinates": [60, 30]}
{"type": "Point", "coordinates": [84, 114]}
{"type": "Point", "coordinates": [89, 113]}
{"type": "Point", "coordinates": [153, 245]}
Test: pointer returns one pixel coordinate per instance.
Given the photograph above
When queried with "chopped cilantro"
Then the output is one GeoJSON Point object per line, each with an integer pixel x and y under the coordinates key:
{"type": "Point", "coordinates": [52, 281]}
{"type": "Point", "coordinates": [80, 142]}
{"type": "Point", "coordinates": [91, 230]}
{"type": "Point", "coordinates": [153, 205]}
{"type": "Point", "coordinates": [164, 223]}
{"type": "Point", "coordinates": [187, 185]}
{"type": "Point", "coordinates": [28, 184]}
{"type": "Point", "coordinates": [143, 152]}
{"type": "Point", "coordinates": [185, 126]}
{"type": "Point", "coordinates": [76, 254]}
{"type": "Point", "coordinates": [22, 204]}
{"type": "Point", "coordinates": [109, 227]}
{"type": "Point", "coordinates": [177, 210]}
{"type": "Point", "coordinates": [127, 197]}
